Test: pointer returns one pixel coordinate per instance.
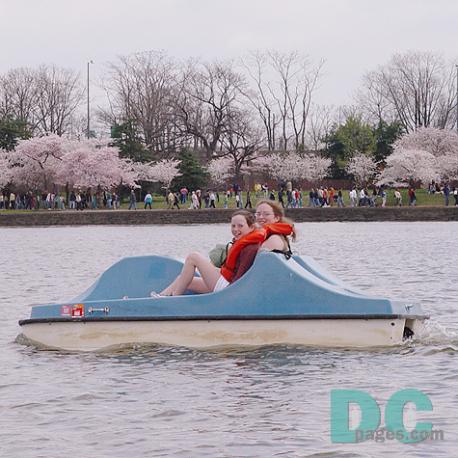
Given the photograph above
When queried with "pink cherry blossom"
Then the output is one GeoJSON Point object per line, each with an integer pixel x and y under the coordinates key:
{"type": "Point", "coordinates": [292, 166]}
{"type": "Point", "coordinates": [406, 165]}
{"type": "Point", "coordinates": [5, 169]}
{"type": "Point", "coordinates": [362, 167]}
{"type": "Point", "coordinates": [424, 155]}
{"type": "Point", "coordinates": [163, 171]}
{"type": "Point", "coordinates": [44, 162]}
{"type": "Point", "coordinates": [221, 169]}
{"type": "Point", "coordinates": [438, 142]}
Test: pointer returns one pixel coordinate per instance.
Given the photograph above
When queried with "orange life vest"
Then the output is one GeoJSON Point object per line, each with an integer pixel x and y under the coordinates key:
{"type": "Point", "coordinates": [255, 237]}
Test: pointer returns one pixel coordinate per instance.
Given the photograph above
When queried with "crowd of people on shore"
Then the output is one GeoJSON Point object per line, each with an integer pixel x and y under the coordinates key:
{"type": "Point", "coordinates": [77, 200]}
{"type": "Point", "coordinates": [287, 197]}
{"type": "Point", "coordinates": [445, 190]}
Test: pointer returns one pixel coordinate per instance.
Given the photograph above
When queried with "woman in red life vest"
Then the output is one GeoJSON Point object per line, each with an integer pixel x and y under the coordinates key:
{"type": "Point", "coordinates": [270, 213]}
{"type": "Point", "coordinates": [211, 279]}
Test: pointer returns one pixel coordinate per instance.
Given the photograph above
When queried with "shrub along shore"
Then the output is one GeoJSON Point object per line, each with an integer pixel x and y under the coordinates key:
{"type": "Point", "coordinates": [210, 216]}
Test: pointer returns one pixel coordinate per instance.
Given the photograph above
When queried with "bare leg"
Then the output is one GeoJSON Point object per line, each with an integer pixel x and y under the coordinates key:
{"type": "Point", "coordinates": [197, 285]}
{"type": "Point", "coordinates": [209, 276]}
{"type": "Point", "coordinates": [169, 290]}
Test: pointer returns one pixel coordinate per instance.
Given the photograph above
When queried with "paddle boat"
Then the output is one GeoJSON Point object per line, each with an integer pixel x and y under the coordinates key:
{"type": "Point", "coordinates": [278, 301]}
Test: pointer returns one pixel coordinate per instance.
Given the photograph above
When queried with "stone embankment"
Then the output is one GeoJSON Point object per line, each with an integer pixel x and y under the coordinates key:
{"type": "Point", "coordinates": [210, 216]}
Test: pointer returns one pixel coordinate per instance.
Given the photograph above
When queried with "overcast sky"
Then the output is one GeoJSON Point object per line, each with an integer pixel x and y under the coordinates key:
{"type": "Point", "coordinates": [352, 36]}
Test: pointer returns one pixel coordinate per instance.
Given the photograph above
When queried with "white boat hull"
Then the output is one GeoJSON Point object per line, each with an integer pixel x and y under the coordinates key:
{"type": "Point", "coordinates": [100, 335]}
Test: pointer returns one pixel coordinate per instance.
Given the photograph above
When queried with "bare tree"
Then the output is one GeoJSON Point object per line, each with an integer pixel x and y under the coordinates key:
{"type": "Point", "coordinates": [140, 88]}
{"type": "Point", "coordinates": [372, 100]}
{"type": "Point", "coordinates": [320, 125]}
{"type": "Point", "coordinates": [447, 112]}
{"type": "Point", "coordinates": [60, 94]}
{"type": "Point", "coordinates": [416, 86]}
{"type": "Point", "coordinates": [19, 96]}
{"type": "Point", "coordinates": [283, 100]}
{"type": "Point", "coordinates": [208, 92]}
{"type": "Point", "coordinates": [260, 97]}
{"type": "Point", "coordinates": [241, 139]}
{"type": "Point", "coordinates": [45, 99]}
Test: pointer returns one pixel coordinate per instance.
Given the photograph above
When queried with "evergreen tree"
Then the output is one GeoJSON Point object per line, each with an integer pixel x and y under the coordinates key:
{"type": "Point", "coordinates": [126, 137]}
{"type": "Point", "coordinates": [193, 175]}
{"type": "Point", "coordinates": [11, 131]}
{"type": "Point", "coordinates": [347, 139]}
{"type": "Point", "coordinates": [386, 135]}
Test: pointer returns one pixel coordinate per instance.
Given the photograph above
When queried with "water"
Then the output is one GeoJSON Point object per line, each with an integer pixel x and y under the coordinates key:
{"type": "Point", "coordinates": [275, 401]}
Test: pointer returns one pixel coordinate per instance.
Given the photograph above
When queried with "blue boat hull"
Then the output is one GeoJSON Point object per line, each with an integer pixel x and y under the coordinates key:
{"type": "Point", "coordinates": [277, 301]}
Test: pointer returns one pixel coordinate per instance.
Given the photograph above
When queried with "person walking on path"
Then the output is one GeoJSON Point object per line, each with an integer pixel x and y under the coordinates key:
{"type": "Point", "coordinates": [148, 200]}
{"type": "Point", "coordinates": [412, 197]}
{"type": "Point", "coordinates": [170, 200]}
{"type": "Point", "coordinates": [237, 201]}
{"type": "Point", "coordinates": [280, 198]}
{"type": "Point", "coordinates": [176, 200]}
{"type": "Point", "coordinates": [398, 197]}
{"type": "Point", "coordinates": [340, 202]}
{"type": "Point", "coordinates": [72, 200]}
{"type": "Point", "coordinates": [384, 196]}
{"type": "Point", "coordinates": [132, 200]}
{"type": "Point", "coordinates": [184, 195]}
{"type": "Point", "coordinates": [194, 201]}
{"type": "Point", "coordinates": [248, 200]}
{"type": "Point", "coordinates": [212, 198]}
{"type": "Point", "coordinates": [79, 201]}
{"type": "Point", "coordinates": [446, 192]}
{"type": "Point", "coordinates": [353, 197]}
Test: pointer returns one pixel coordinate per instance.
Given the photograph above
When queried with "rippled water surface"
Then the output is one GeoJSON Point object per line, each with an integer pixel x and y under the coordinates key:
{"type": "Point", "coordinates": [275, 401]}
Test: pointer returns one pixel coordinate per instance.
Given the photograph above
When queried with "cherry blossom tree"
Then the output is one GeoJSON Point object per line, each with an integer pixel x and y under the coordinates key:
{"type": "Point", "coordinates": [44, 162]}
{"type": "Point", "coordinates": [448, 166]}
{"type": "Point", "coordinates": [319, 167]}
{"type": "Point", "coordinates": [5, 169]}
{"type": "Point", "coordinates": [163, 171]}
{"type": "Point", "coordinates": [407, 165]}
{"type": "Point", "coordinates": [424, 155]}
{"type": "Point", "coordinates": [438, 142]}
{"type": "Point", "coordinates": [362, 167]}
{"type": "Point", "coordinates": [220, 169]}
{"type": "Point", "coordinates": [292, 166]}
{"type": "Point", "coordinates": [89, 165]}
{"type": "Point", "coordinates": [280, 166]}
{"type": "Point", "coordinates": [34, 162]}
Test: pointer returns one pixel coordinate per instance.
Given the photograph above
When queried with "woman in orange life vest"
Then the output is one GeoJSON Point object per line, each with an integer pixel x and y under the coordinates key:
{"type": "Point", "coordinates": [269, 212]}
{"type": "Point", "coordinates": [270, 236]}
{"type": "Point", "coordinates": [211, 279]}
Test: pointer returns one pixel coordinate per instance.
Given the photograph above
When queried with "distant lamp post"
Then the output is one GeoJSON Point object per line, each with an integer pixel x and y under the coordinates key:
{"type": "Point", "coordinates": [88, 132]}
{"type": "Point", "coordinates": [456, 66]}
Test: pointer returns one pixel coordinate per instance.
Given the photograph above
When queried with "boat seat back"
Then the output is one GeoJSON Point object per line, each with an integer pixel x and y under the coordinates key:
{"type": "Point", "coordinates": [133, 277]}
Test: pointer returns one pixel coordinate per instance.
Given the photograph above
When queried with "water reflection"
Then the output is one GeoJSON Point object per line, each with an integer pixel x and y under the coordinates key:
{"type": "Point", "coordinates": [162, 401]}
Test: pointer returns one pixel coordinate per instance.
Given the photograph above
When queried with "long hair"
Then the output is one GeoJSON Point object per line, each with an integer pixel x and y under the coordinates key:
{"type": "Point", "coordinates": [279, 213]}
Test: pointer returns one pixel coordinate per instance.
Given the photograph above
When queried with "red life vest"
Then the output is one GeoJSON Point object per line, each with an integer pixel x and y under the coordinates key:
{"type": "Point", "coordinates": [255, 237]}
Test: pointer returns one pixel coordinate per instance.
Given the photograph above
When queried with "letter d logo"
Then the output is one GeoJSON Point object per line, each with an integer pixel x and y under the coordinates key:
{"type": "Point", "coordinates": [340, 418]}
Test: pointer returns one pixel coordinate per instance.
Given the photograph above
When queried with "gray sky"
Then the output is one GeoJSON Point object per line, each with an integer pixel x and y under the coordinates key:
{"type": "Point", "coordinates": [353, 36]}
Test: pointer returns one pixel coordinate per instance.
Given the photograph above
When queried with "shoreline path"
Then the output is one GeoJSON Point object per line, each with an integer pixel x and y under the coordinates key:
{"type": "Point", "coordinates": [212, 216]}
